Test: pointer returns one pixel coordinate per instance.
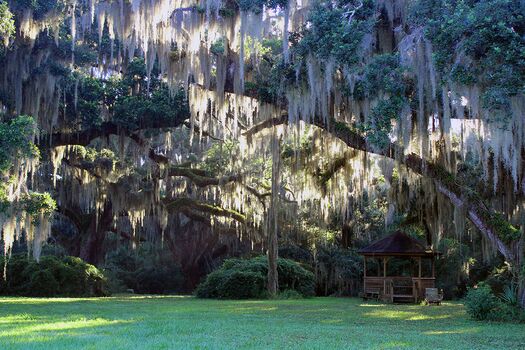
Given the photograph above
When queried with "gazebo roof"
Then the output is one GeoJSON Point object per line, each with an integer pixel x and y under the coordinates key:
{"type": "Point", "coordinates": [398, 243]}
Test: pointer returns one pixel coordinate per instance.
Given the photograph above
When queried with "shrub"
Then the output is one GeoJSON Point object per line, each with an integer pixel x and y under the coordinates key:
{"type": "Point", "coordinates": [480, 302]}
{"type": "Point", "coordinates": [241, 285]}
{"type": "Point", "coordinates": [42, 283]}
{"type": "Point", "coordinates": [508, 313]}
{"type": "Point", "coordinates": [498, 278]}
{"type": "Point", "coordinates": [247, 278]}
{"type": "Point", "coordinates": [290, 294]}
{"type": "Point", "coordinates": [292, 276]}
{"type": "Point", "coordinates": [52, 276]}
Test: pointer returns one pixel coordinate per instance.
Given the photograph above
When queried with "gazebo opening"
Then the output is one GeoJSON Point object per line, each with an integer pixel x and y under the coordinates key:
{"type": "Point", "coordinates": [398, 268]}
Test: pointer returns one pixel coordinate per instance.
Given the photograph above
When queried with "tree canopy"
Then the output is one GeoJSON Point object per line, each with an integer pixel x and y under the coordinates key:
{"type": "Point", "coordinates": [246, 125]}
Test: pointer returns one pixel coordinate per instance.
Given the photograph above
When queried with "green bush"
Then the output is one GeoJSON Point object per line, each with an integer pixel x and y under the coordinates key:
{"type": "Point", "coordinates": [290, 294]}
{"type": "Point", "coordinates": [508, 313]}
{"type": "Point", "coordinates": [241, 285]}
{"type": "Point", "coordinates": [480, 302]}
{"type": "Point", "coordinates": [247, 278]}
{"type": "Point", "coordinates": [42, 283]}
{"type": "Point", "coordinates": [52, 276]}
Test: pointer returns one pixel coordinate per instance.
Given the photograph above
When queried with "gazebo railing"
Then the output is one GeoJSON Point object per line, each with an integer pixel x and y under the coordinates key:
{"type": "Point", "coordinates": [399, 286]}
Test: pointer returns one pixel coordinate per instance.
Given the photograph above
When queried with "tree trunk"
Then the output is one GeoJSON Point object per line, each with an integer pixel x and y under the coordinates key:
{"type": "Point", "coordinates": [273, 278]}
{"type": "Point", "coordinates": [92, 246]}
{"type": "Point", "coordinates": [520, 252]}
{"type": "Point", "coordinates": [521, 290]}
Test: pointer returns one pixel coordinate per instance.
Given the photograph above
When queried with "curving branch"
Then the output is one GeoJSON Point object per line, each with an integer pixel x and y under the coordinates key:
{"type": "Point", "coordinates": [199, 178]}
{"type": "Point", "coordinates": [84, 137]}
{"type": "Point", "coordinates": [204, 219]}
{"type": "Point", "coordinates": [477, 212]}
{"type": "Point", "coordinates": [185, 203]}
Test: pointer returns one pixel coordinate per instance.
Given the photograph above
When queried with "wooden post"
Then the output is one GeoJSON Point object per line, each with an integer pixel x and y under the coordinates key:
{"type": "Point", "coordinates": [385, 289]}
{"type": "Point", "coordinates": [433, 268]}
{"type": "Point", "coordinates": [364, 278]}
{"type": "Point", "coordinates": [419, 289]}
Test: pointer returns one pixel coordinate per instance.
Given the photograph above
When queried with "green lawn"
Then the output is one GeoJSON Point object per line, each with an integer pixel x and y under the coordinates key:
{"type": "Point", "coordinates": [140, 322]}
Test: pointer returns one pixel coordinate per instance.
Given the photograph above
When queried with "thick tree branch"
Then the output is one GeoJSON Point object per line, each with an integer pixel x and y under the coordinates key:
{"type": "Point", "coordinates": [192, 204]}
{"type": "Point", "coordinates": [199, 178]}
{"type": "Point", "coordinates": [84, 137]}
{"type": "Point", "coordinates": [476, 210]}
{"type": "Point", "coordinates": [204, 219]}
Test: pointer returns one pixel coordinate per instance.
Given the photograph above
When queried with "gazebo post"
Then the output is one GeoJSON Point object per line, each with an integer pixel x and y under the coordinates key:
{"type": "Point", "coordinates": [384, 276]}
{"type": "Point", "coordinates": [419, 276]}
{"type": "Point", "coordinates": [364, 272]}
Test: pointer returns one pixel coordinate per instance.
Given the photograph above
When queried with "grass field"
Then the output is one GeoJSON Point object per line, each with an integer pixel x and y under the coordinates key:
{"type": "Point", "coordinates": [187, 323]}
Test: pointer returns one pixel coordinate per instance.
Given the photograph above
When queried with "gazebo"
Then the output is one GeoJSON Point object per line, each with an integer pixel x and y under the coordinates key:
{"type": "Point", "coordinates": [398, 268]}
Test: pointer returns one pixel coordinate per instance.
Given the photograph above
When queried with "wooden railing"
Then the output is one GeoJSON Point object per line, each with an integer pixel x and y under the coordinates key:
{"type": "Point", "coordinates": [390, 286]}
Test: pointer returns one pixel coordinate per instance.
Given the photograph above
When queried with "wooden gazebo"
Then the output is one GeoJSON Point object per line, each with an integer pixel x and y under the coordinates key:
{"type": "Point", "coordinates": [398, 268]}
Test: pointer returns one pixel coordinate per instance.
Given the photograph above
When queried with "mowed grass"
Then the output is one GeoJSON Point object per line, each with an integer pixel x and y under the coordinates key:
{"type": "Point", "coordinates": [170, 322]}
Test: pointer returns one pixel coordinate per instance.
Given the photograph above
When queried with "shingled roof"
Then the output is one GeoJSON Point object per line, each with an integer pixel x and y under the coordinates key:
{"type": "Point", "coordinates": [398, 243]}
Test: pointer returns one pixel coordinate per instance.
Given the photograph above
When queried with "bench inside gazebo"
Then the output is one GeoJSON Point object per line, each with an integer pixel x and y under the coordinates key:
{"type": "Point", "coordinates": [398, 268]}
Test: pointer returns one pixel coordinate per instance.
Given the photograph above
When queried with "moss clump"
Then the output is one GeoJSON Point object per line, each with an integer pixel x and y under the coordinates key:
{"type": "Point", "coordinates": [505, 230]}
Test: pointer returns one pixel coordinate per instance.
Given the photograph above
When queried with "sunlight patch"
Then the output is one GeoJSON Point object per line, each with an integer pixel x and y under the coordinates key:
{"type": "Point", "coordinates": [255, 308]}
{"type": "Point", "coordinates": [458, 331]}
{"type": "Point", "coordinates": [61, 326]}
{"type": "Point", "coordinates": [334, 321]}
{"type": "Point", "coordinates": [372, 305]}
{"type": "Point", "coordinates": [405, 315]}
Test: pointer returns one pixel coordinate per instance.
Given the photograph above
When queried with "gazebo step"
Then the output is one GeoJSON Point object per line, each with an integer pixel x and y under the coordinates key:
{"type": "Point", "coordinates": [402, 296]}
